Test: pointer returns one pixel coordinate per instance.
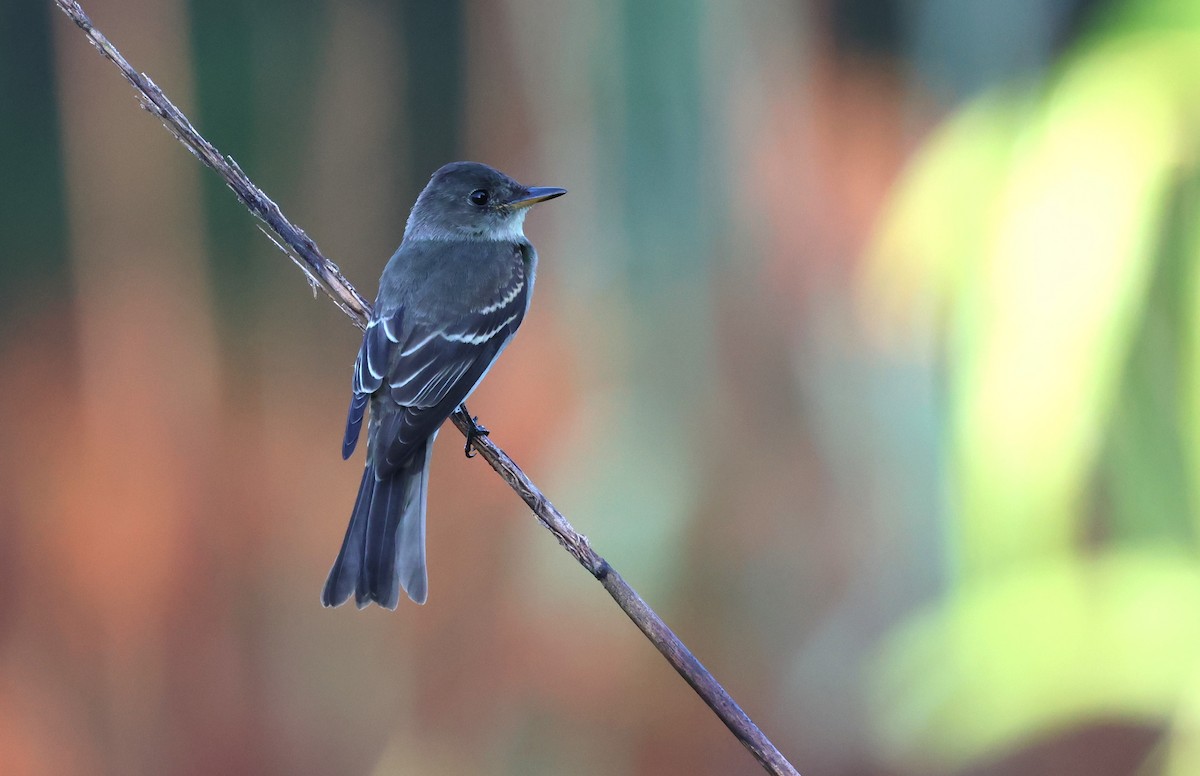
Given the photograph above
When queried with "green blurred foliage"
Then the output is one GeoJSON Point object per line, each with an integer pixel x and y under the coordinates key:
{"type": "Point", "coordinates": [1055, 229]}
{"type": "Point", "coordinates": [31, 206]}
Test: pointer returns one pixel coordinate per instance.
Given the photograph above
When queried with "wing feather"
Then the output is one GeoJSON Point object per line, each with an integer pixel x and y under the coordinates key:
{"type": "Point", "coordinates": [369, 370]}
{"type": "Point", "coordinates": [414, 374]}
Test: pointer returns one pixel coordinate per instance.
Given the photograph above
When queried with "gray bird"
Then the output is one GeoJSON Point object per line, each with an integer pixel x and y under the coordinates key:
{"type": "Point", "coordinates": [450, 300]}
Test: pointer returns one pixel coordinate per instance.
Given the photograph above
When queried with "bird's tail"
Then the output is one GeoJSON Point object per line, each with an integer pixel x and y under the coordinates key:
{"type": "Point", "coordinates": [384, 548]}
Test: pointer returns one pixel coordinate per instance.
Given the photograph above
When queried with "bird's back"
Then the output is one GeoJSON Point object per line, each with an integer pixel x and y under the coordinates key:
{"type": "Point", "coordinates": [443, 281]}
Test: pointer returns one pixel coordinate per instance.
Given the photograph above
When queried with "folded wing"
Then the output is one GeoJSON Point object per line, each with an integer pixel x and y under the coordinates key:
{"type": "Point", "coordinates": [418, 373]}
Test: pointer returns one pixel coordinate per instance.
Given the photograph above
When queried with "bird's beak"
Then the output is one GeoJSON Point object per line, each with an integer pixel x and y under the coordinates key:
{"type": "Point", "coordinates": [534, 195]}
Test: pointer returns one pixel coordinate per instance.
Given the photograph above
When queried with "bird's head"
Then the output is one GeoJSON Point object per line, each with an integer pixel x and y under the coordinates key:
{"type": "Point", "coordinates": [471, 201]}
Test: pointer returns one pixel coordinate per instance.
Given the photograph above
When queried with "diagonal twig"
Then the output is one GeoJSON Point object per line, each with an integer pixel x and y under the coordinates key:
{"type": "Point", "coordinates": [307, 255]}
{"type": "Point", "coordinates": [324, 274]}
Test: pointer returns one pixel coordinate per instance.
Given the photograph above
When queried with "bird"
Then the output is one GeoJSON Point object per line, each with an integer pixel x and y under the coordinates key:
{"type": "Point", "coordinates": [450, 300]}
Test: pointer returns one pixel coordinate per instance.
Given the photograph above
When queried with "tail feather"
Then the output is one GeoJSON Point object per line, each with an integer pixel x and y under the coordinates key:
{"type": "Point", "coordinates": [384, 548]}
{"type": "Point", "coordinates": [344, 575]}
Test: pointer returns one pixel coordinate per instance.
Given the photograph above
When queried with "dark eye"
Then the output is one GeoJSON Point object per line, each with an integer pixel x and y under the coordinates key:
{"type": "Point", "coordinates": [478, 197]}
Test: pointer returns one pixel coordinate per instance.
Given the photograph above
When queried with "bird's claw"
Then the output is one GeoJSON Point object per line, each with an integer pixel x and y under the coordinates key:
{"type": "Point", "coordinates": [474, 432]}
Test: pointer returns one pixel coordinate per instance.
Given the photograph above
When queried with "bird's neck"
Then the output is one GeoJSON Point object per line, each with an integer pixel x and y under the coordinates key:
{"type": "Point", "coordinates": [511, 230]}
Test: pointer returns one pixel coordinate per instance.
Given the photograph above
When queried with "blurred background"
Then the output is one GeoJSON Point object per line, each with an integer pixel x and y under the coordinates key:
{"type": "Point", "coordinates": [866, 346]}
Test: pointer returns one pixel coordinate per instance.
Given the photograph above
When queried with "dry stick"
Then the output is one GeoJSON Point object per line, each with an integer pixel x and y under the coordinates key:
{"type": "Point", "coordinates": [324, 274]}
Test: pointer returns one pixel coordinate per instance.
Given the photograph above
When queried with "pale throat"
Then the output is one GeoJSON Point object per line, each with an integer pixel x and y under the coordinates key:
{"type": "Point", "coordinates": [511, 229]}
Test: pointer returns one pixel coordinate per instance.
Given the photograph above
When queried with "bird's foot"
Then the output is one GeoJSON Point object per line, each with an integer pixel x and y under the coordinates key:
{"type": "Point", "coordinates": [477, 430]}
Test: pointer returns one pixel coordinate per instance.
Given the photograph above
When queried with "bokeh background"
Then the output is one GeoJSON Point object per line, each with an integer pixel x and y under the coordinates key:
{"type": "Point", "coordinates": [866, 346]}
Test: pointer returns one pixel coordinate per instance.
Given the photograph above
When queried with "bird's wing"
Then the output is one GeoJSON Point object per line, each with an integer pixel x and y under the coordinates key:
{"type": "Point", "coordinates": [420, 372]}
{"type": "Point", "coordinates": [383, 333]}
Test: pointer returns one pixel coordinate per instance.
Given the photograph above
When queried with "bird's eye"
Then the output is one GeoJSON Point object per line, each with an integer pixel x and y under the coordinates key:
{"type": "Point", "coordinates": [478, 197]}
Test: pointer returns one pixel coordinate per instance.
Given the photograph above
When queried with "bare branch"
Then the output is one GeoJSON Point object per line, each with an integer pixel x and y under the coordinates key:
{"type": "Point", "coordinates": [323, 273]}
{"type": "Point", "coordinates": [314, 264]}
{"type": "Point", "coordinates": [647, 620]}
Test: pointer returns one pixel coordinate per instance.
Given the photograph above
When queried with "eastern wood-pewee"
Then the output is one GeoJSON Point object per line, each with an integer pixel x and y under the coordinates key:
{"type": "Point", "coordinates": [450, 299]}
